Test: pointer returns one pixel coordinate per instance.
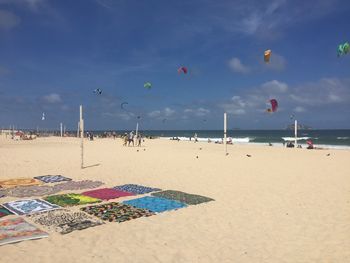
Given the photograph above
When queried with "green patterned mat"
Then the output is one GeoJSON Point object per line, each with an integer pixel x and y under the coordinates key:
{"type": "Point", "coordinates": [71, 199]}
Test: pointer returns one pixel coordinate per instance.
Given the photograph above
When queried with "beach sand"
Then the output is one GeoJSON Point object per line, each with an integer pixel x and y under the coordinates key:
{"type": "Point", "coordinates": [279, 205]}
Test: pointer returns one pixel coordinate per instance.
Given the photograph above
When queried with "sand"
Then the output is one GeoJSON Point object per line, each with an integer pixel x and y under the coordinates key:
{"type": "Point", "coordinates": [279, 205]}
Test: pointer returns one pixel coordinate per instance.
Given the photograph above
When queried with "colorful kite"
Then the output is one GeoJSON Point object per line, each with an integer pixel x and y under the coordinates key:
{"type": "Point", "coordinates": [147, 85]}
{"type": "Point", "coordinates": [274, 106]}
{"type": "Point", "coordinates": [122, 105]}
{"type": "Point", "coordinates": [182, 69]}
{"type": "Point", "coordinates": [267, 55]}
{"type": "Point", "coordinates": [98, 91]}
{"type": "Point", "coordinates": [343, 49]}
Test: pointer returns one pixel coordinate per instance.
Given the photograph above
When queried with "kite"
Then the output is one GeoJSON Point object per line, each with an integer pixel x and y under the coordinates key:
{"type": "Point", "coordinates": [343, 49]}
{"type": "Point", "coordinates": [274, 106]}
{"type": "Point", "coordinates": [147, 85]}
{"type": "Point", "coordinates": [267, 55]}
{"type": "Point", "coordinates": [122, 105]}
{"type": "Point", "coordinates": [138, 117]}
{"type": "Point", "coordinates": [292, 116]}
{"type": "Point", "coordinates": [163, 120]}
{"type": "Point", "coordinates": [182, 69]}
{"type": "Point", "coordinates": [98, 91]}
{"type": "Point", "coordinates": [43, 117]}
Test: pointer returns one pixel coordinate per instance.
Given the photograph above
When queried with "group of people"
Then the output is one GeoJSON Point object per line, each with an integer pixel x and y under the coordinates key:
{"type": "Point", "coordinates": [131, 138]}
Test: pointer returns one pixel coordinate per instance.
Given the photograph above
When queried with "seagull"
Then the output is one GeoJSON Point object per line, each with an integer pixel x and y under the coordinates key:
{"type": "Point", "coordinates": [249, 155]}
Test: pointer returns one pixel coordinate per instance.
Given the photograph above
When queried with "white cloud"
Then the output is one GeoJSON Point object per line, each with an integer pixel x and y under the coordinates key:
{"type": "Point", "coordinates": [199, 112]}
{"type": "Point", "coordinates": [310, 96]}
{"type": "Point", "coordinates": [275, 86]}
{"type": "Point", "coordinates": [325, 91]}
{"type": "Point", "coordinates": [236, 106]}
{"type": "Point", "coordinates": [299, 109]}
{"type": "Point", "coordinates": [236, 65]}
{"type": "Point", "coordinates": [8, 20]}
{"type": "Point", "coordinates": [52, 98]}
{"type": "Point", "coordinates": [161, 114]}
{"type": "Point", "coordinates": [119, 115]}
{"type": "Point", "coordinates": [168, 112]}
{"type": "Point", "coordinates": [277, 62]}
{"type": "Point", "coordinates": [154, 114]}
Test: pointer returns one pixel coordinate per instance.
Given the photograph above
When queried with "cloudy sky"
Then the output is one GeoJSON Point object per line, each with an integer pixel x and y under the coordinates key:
{"type": "Point", "coordinates": [54, 53]}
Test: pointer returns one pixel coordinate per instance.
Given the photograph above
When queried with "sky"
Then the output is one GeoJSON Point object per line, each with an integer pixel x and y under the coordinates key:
{"type": "Point", "coordinates": [55, 53]}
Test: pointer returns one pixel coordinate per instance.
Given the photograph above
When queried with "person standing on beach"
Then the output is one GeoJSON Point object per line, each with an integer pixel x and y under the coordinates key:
{"type": "Point", "coordinates": [125, 139]}
{"type": "Point", "coordinates": [131, 138]}
{"type": "Point", "coordinates": [139, 140]}
{"type": "Point", "coordinates": [195, 137]}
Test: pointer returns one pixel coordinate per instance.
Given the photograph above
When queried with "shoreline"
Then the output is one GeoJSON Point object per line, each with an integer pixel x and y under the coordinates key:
{"type": "Point", "coordinates": [274, 144]}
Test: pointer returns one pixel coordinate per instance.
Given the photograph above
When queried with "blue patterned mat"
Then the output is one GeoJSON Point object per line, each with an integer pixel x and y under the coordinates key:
{"type": "Point", "coordinates": [155, 204]}
{"type": "Point", "coordinates": [136, 189]}
{"type": "Point", "coordinates": [52, 178]}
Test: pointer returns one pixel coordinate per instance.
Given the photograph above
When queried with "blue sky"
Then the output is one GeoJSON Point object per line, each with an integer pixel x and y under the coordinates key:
{"type": "Point", "coordinates": [54, 53]}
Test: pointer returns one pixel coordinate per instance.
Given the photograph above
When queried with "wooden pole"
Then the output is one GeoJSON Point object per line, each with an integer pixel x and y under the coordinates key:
{"type": "Point", "coordinates": [295, 133]}
{"type": "Point", "coordinates": [225, 127]}
{"type": "Point", "coordinates": [81, 136]}
{"type": "Point", "coordinates": [61, 129]}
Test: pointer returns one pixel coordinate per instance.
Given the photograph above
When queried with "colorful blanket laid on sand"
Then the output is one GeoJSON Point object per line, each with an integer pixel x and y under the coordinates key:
{"type": "Point", "coordinates": [188, 199]}
{"type": "Point", "coordinates": [116, 212]}
{"type": "Point", "coordinates": [28, 191]}
{"type": "Point", "coordinates": [18, 182]}
{"type": "Point", "coordinates": [71, 199]}
{"type": "Point", "coordinates": [4, 211]}
{"type": "Point", "coordinates": [16, 229]}
{"type": "Point", "coordinates": [2, 193]}
{"type": "Point", "coordinates": [136, 189]}
{"type": "Point", "coordinates": [23, 207]}
{"type": "Point", "coordinates": [155, 204]}
{"type": "Point", "coordinates": [65, 221]}
{"type": "Point", "coordinates": [106, 193]}
{"type": "Point", "coordinates": [79, 185]}
{"type": "Point", "coordinates": [52, 178]}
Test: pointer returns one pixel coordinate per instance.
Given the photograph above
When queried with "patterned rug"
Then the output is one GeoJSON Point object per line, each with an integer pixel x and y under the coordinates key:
{"type": "Point", "coordinates": [79, 185]}
{"type": "Point", "coordinates": [18, 182]}
{"type": "Point", "coordinates": [155, 204]}
{"type": "Point", "coordinates": [116, 212]}
{"type": "Point", "coordinates": [106, 193]}
{"type": "Point", "coordinates": [71, 199]}
{"type": "Point", "coordinates": [65, 221]}
{"type": "Point", "coordinates": [52, 178]}
{"type": "Point", "coordinates": [3, 193]}
{"type": "Point", "coordinates": [188, 199]}
{"type": "Point", "coordinates": [28, 191]}
{"type": "Point", "coordinates": [16, 229]}
{"type": "Point", "coordinates": [24, 207]}
{"type": "Point", "coordinates": [4, 212]}
{"type": "Point", "coordinates": [136, 189]}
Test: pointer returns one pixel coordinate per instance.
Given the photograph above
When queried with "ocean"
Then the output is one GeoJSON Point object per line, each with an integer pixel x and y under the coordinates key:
{"type": "Point", "coordinates": [323, 138]}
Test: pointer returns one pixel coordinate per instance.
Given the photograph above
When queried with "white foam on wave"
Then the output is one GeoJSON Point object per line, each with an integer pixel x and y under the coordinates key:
{"type": "Point", "coordinates": [293, 138]}
{"type": "Point", "coordinates": [342, 138]}
{"type": "Point", "coordinates": [201, 139]}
